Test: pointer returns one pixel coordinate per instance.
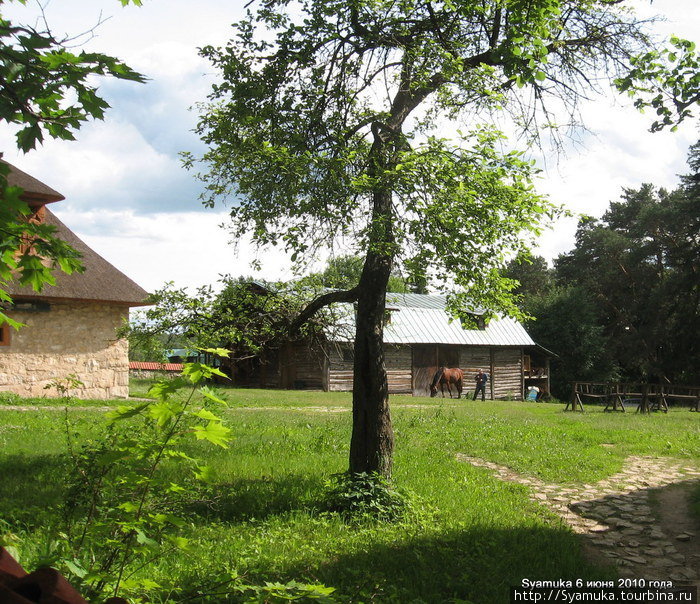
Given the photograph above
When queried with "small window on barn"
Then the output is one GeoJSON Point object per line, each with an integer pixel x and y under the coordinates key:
{"type": "Point", "coordinates": [348, 356]}
{"type": "Point", "coordinates": [4, 335]}
{"type": "Point", "coordinates": [474, 322]}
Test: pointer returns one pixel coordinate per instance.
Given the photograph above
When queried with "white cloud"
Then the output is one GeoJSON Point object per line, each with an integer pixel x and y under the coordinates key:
{"type": "Point", "coordinates": [112, 167]}
{"type": "Point", "coordinates": [128, 195]}
{"type": "Point", "coordinates": [188, 248]}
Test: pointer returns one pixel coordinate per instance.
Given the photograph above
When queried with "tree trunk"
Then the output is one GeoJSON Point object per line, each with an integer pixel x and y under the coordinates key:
{"type": "Point", "coordinates": [372, 443]}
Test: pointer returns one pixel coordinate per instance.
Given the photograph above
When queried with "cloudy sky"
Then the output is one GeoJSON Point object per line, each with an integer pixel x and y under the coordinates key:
{"type": "Point", "coordinates": [128, 197]}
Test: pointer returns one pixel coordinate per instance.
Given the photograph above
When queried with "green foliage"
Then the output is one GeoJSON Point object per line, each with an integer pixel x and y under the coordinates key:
{"type": "Point", "coordinates": [365, 496]}
{"type": "Point", "coordinates": [47, 90]}
{"type": "Point", "coordinates": [534, 278]}
{"type": "Point", "coordinates": [625, 302]}
{"type": "Point", "coordinates": [633, 264]}
{"type": "Point", "coordinates": [567, 323]}
{"type": "Point", "coordinates": [8, 539]}
{"type": "Point", "coordinates": [46, 87]}
{"type": "Point", "coordinates": [667, 81]}
{"type": "Point", "coordinates": [292, 591]}
{"type": "Point", "coordinates": [10, 398]}
{"type": "Point", "coordinates": [343, 272]}
{"type": "Point", "coordinates": [120, 510]}
{"type": "Point", "coordinates": [251, 319]}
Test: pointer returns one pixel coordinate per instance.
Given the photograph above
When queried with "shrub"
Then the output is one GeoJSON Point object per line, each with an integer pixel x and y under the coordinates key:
{"type": "Point", "coordinates": [363, 495]}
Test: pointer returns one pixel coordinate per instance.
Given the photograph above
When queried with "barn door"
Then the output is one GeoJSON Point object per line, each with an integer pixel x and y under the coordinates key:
{"type": "Point", "coordinates": [448, 356]}
{"type": "Point", "coordinates": [425, 359]}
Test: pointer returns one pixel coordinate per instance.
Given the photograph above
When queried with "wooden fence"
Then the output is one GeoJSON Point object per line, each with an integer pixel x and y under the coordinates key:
{"type": "Point", "coordinates": [647, 397]}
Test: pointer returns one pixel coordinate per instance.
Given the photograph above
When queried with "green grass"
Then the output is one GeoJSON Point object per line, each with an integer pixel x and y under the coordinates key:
{"type": "Point", "coordinates": [468, 538]}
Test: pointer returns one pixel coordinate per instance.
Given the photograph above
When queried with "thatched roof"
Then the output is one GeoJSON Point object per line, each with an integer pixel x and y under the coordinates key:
{"type": "Point", "coordinates": [35, 191]}
{"type": "Point", "coordinates": [101, 282]}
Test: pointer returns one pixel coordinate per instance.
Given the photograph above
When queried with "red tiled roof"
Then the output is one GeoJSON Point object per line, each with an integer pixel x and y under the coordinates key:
{"type": "Point", "coordinates": [149, 366]}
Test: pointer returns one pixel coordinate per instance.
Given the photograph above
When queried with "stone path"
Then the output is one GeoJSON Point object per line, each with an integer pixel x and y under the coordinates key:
{"type": "Point", "coordinates": [616, 517]}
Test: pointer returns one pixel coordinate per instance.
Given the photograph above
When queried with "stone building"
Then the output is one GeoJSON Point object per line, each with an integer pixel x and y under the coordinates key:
{"type": "Point", "coordinates": [70, 328]}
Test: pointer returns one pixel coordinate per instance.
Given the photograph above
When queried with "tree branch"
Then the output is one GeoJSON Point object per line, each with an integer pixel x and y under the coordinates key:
{"type": "Point", "coordinates": [349, 295]}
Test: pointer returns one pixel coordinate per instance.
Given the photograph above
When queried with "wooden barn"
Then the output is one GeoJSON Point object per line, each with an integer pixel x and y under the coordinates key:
{"type": "Point", "coordinates": [419, 337]}
{"type": "Point", "coordinates": [70, 328]}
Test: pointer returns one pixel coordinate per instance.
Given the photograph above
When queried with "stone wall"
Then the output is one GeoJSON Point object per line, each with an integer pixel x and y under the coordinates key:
{"type": "Point", "coordinates": [70, 338]}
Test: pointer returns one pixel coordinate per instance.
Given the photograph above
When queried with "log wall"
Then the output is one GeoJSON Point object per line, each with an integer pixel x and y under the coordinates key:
{"type": "Point", "coordinates": [471, 359]}
{"type": "Point", "coordinates": [507, 373]}
{"type": "Point", "coordinates": [504, 366]}
{"type": "Point", "coordinates": [305, 368]}
{"type": "Point", "coordinates": [396, 358]}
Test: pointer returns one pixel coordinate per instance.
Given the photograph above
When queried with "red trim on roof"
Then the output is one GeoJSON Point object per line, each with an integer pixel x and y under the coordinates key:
{"type": "Point", "coordinates": [149, 366]}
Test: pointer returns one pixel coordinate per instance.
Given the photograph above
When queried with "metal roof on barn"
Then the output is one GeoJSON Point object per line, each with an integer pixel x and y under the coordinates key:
{"type": "Point", "coordinates": [422, 319]}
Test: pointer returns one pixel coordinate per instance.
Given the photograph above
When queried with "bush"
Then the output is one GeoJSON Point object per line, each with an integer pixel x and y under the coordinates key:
{"type": "Point", "coordinates": [365, 495]}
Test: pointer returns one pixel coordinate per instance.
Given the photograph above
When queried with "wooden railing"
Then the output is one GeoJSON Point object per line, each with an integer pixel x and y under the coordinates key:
{"type": "Point", "coordinates": [647, 397]}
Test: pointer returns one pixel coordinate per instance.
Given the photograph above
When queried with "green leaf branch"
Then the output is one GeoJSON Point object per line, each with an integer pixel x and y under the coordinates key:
{"type": "Point", "coordinates": [121, 510]}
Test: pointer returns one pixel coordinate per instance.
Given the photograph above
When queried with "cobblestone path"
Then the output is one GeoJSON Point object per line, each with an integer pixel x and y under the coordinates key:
{"type": "Point", "coordinates": [616, 516]}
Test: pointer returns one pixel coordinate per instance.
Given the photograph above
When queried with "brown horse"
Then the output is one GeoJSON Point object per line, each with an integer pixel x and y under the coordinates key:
{"type": "Point", "coordinates": [447, 376]}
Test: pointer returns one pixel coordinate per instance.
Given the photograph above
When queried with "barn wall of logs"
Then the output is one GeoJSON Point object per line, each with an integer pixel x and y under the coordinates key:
{"type": "Point", "coordinates": [503, 364]}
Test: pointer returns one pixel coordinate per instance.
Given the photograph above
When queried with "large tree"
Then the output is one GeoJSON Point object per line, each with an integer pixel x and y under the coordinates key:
{"type": "Point", "coordinates": [47, 88]}
{"type": "Point", "coordinates": [639, 263]}
{"type": "Point", "coordinates": [343, 118]}
{"type": "Point", "coordinates": [625, 302]}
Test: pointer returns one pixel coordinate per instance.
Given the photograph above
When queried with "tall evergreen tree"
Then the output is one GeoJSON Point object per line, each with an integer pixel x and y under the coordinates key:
{"type": "Point", "coordinates": [639, 265]}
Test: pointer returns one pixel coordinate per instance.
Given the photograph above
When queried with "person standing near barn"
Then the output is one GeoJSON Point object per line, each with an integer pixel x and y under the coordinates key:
{"type": "Point", "coordinates": [481, 378]}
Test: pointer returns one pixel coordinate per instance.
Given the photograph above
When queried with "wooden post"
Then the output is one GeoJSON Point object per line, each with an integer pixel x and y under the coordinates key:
{"type": "Point", "coordinates": [644, 404]}
{"type": "Point", "coordinates": [575, 401]}
{"type": "Point", "coordinates": [618, 399]}
{"type": "Point", "coordinates": [573, 397]}
{"type": "Point", "coordinates": [662, 402]}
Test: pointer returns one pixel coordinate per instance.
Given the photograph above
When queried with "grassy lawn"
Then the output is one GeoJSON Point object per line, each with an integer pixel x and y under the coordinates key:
{"type": "Point", "coordinates": [468, 538]}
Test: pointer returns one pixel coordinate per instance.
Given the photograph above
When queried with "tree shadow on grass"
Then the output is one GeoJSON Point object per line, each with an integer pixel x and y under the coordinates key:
{"type": "Point", "coordinates": [477, 565]}
{"type": "Point", "coordinates": [259, 498]}
{"type": "Point", "coordinates": [32, 486]}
